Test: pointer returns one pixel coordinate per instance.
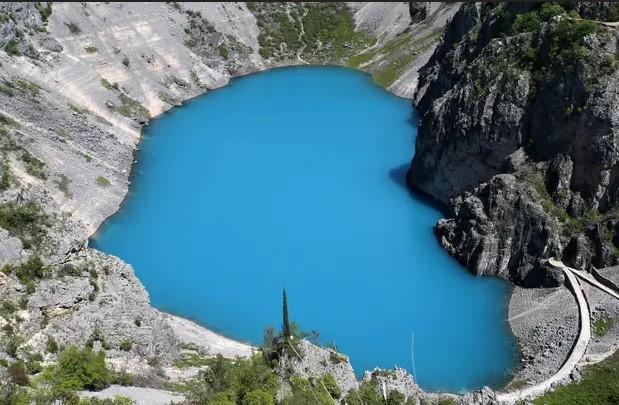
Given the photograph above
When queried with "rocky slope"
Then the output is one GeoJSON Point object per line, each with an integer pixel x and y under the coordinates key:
{"type": "Point", "coordinates": [519, 138]}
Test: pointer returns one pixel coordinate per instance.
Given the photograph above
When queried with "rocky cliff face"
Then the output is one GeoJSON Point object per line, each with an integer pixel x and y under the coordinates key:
{"type": "Point", "coordinates": [519, 138]}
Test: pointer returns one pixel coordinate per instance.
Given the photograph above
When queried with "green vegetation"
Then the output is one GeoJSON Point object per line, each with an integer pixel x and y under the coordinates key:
{"type": "Point", "coordinates": [25, 221]}
{"type": "Point", "coordinates": [30, 272]}
{"type": "Point", "coordinates": [241, 382]}
{"type": "Point", "coordinates": [131, 108]}
{"type": "Point", "coordinates": [34, 166]}
{"type": "Point", "coordinates": [307, 392]}
{"type": "Point", "coordinates": [91, 49]}
{"type": "Point", "coordinates": [63, 185]}
{"type": "Point", "coordinates": [109, 85]}
{"type": "Point", "coordinates": [78, 369]}
{"type": "Point", "coordinates": [223, 51]}
{"type": "Point", "coordinates": [50, 345]}
{"type": "Point", "coordinates": [598, 386]}
{"type": "Point", "coordinates": [73, 27]}
{"type": "Point", "coordinates": [8, 121]}
{"type": "Point", "coordinates": [45, 11]}
{"type": "Point", "coordinates": [28, 87]}
{"type": "Point", "coordinates": [17, 373]}
{"type": "Point", "coordinates": [102, 181]}
{"type": "Point", "coordinates": [11, 48]}
{"type": "Point", "coordinates": [126, 345]}
{"type": "Point", "coordinates": [6, 178]}
{"type": "Point", "coordinates": [322, 32]}
{"type": "Point", "coordinates": [191, 359]}
{"type": "Point", "coordinates": [602, 325]}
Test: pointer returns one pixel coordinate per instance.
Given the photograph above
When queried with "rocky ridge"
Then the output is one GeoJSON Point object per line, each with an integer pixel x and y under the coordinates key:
{"type": "Point", "coordinates": [518, 139]}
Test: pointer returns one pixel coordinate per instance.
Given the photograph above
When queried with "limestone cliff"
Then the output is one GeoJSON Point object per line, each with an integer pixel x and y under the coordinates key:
{"type": "Point", "coordinates": [519, 138]}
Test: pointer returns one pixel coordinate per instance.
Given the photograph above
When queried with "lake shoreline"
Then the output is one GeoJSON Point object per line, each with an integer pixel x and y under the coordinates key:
{"type": "Point", "coordinates": [135, 169]}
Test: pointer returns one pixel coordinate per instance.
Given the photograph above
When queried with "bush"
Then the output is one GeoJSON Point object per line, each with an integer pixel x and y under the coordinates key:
{"type": "Point", "coordinates": [305, 393]}
{"type": "Point", "coordinates": [102, 181]}
{"type": "Point", "coordinates": [73, 27]}
{"type": "Point", "coordinates": [51, 346]}
{"type": "Point", "coordinates": [31, 270]}
{"type": "Point", "coordinates": [34, 166]}
{"type": "Point", "coordinates": [24, 221]}
{"type": "Point", "coordinates": [329, 383]}
{"type": "Point", "coordinates": [223, 52]}
{"type": "Point", "coordinates": [17, 373]}
{"type": "Point", "coordinates": [80, 369]}
{"type": "Point", "coordinates": [11, 48]}
{"type": "Point", "coordinates": [233, 381]}
{"type": "Point", "coordinates": [126, 345]}
{"type": "Point", "coordinates": [258, 397]}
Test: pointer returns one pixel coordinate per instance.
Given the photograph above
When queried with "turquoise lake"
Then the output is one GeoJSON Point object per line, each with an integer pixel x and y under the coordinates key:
{"type": "Point", "coordinates": [295, 178]}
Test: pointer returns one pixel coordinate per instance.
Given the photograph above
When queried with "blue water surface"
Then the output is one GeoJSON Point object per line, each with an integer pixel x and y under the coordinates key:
{"type": "Point", "coordinates": [295, 178]}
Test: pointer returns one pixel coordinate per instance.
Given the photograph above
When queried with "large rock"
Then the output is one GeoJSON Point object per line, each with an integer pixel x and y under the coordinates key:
{"type": "Point", "coordinates": [500, 228]}
{"type": "Point", "coordinates": [71, 309]}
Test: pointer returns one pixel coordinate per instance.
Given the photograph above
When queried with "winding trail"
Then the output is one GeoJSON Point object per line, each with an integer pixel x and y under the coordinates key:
{"type": "Point", "coordinates": [577, 352]}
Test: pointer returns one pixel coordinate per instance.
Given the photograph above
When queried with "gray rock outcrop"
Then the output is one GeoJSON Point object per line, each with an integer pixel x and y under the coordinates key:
{"type": "Point", "coordinates": [499, 97]}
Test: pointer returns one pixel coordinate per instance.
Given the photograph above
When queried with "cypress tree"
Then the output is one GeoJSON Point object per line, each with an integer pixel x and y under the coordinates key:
{"type": "Point", "coordinates": [285, 323]}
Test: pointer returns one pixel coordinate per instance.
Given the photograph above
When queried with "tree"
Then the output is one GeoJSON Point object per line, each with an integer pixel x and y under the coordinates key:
{"type": "Point", "coordinates": [286, 331]}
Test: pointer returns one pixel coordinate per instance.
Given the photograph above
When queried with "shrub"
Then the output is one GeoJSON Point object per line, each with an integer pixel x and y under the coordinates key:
{"type": "Point", "coordinates": [80, 369]}
{"type": "Point", "coordinates": [34, 166]}
{"type": "Point", "coordinates": [331, 386]}
{"type": "Point", "coordinates": [7, 308]}
{"type": "Point", "coordinates": [34, 363]}
{"type": "Point", "coordinates": [11, 48]}
{"type": "Point", "coordinates": [12, 345]}
{"type": "Point", "coordinates": [91, 49]}
{"type": "Point", "coordinates": [102, 181]}
{"type": "Point", "coordinates": [126, 345]}
{"type": "Point", "coordinates": [305, 393]}
{"type": "Point", "coordinates": [234, 380]}
{"type": "Point", "coordinates": [17, 373]}
{"type": "Point", "coordinates": [223, 52]}
{"type": "Point", "coordinates": [45, 11]}
{"type": "Point", "coordinates": [24, 221]}
{"type": "Point", "coordinates": [602, 325]}
{"type": "Point", "coordinates": [258, 397]}
{"type": "Point", "coordinates": [51, 346]}
{"type": "Point", "coordinates": [31, 270]}
{"type": "Point", "coordinates": [123, 378]}
{"type": "Point", "coordinates": [73, 27]}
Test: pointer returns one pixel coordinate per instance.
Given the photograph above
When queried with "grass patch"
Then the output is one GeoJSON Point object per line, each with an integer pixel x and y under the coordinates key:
{"type": "Point", "coordinates": [602, 325]}
{"type": "Point", "coordinates": [597, 387]}
{"type": "Point", "coordinates": [131, 108]}
{"type": "Point", "coordinates": [192, 359]}
{"type": "Point", "coordinates": [102, 181]}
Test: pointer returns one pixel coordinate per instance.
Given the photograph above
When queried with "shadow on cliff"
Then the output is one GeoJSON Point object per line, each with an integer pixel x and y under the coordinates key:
{"type": "Point", "coordinates": [398, 176]}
